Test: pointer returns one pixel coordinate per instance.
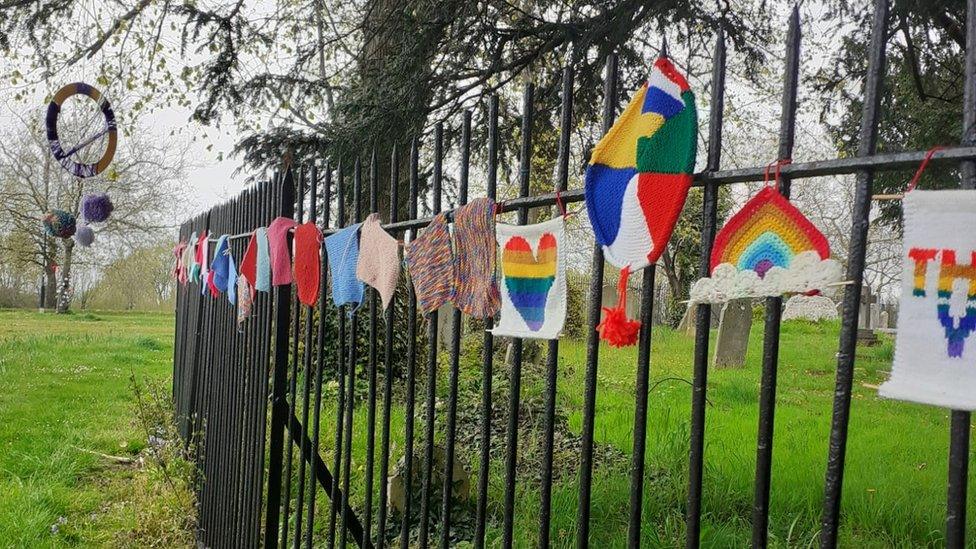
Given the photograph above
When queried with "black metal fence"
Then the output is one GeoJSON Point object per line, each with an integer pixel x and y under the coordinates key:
{"type": "Point", "coordinates": [226, 379]}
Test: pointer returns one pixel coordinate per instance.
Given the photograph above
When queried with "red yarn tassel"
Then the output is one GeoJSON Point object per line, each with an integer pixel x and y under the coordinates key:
{"type": "Point", "coordinates": [616, 329]}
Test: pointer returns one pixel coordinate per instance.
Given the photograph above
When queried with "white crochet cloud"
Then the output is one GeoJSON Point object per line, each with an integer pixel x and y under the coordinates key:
{"type": "Point", "coordinates": [806, 272]}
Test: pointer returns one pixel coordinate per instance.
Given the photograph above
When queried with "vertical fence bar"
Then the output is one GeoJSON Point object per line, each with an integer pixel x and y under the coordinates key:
{"type": "Point", "coordinates": [515, 380]}
{"type": "Point", "coordinates": [341, 374]}
{"type": "Point", "coordinates": [867, 146]}
{"type": "Point", "coordinates": [306, 369]}
{"type": "Point", "coordinates": [448, 484]}
{"type": "Point", "coordinates": [293, 383]}
{"type": "Point", "coordinates": [487, 352]}
{"type": "Point", "coordinates": [594, 301]}
{"type": "Point", "coordinates": [552, 353]}
{"type": "Point", "coordinates": [357, 207]}
{"type": "Point", "coordinates": [411, 364]}
{"type": "Point", "coordinates": [961, 420]}
{"type": "Point", "coordinates": [703, 316]}
{"type": "Point", "coordinates": [371, 368]}
{"type": "Point", "coordinates": [774, 305]}
{"type": "Point", "coordinates": [431, 357]}
{"type": "Point", "coordinates": [279, 407]}
{"type": "Point", "coordinates": [320, 356]}
{"type": "Point", "coordinates": [388, 364]}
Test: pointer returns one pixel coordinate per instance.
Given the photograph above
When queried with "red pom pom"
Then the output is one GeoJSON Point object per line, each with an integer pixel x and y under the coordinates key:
{"type": "Point", "coordinates": [618, 330]}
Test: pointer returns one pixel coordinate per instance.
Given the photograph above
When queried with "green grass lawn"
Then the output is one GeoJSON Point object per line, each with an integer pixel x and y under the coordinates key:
{"type": "Point", "coordinates": [64, 389]}
{"type": "Point", "coordinates": [64, 385]}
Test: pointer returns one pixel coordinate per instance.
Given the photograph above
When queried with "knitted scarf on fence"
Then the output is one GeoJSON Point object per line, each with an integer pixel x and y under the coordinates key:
{"type": "Point", "coordinates": [231, 278]}
{"type": "Point", "coordinates": [431, 265]}
{"type": "Point", "coordinates": [476, 289]}
{"type": "Point", "coordinates": [249, 262]}
{"type": "Point", "coordinates": [379, 259]}
{"type": "Point", "coordinates": [280, 257]}
{"type": "Point", "coordinates": [343, 251]}
{"type": "Point", "coordinates": [245, 300]}
{"type": "Point", "coordinates": [203, 253]}
{"type": "Point", "coordinates": [189, 255]}
{"type": "Point", "coordinates": [308, 261]}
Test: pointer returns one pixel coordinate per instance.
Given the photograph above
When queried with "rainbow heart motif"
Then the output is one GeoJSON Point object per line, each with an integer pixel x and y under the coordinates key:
{"type": "Point", "coordinates": [529, 277]}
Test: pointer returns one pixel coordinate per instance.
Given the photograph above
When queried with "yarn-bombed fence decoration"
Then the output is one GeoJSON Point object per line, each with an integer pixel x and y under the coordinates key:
{"type": "Point", "coordinates": [312, 427]}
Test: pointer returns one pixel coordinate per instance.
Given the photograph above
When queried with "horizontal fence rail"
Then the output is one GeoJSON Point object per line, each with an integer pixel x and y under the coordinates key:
{"type": "Point", "coordinates": [301, 418]}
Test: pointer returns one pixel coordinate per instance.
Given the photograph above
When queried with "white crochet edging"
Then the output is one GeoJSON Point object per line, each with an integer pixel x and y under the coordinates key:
{"type": "Point", "coordinates": [805, 272]}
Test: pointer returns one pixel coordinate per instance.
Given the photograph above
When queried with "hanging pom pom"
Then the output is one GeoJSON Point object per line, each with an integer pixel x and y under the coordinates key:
{"type": "Point", "coordinates": [616, 329]}
{"type": "Point", "coordinates": [96, 207]}
{"type": "Point", "coordinates": [59, 223]}
{"type": "Point", "coordinates": [84, 236]}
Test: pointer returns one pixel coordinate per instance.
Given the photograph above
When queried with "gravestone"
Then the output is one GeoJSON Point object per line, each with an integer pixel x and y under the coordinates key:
{"type": "Point", "coordinates": [865, 328]}
{"type": "Point", "coordinates": [734, 326]}
{"type": "Point", "coordinates": [689, 322]}
{"type": "Point", "coordinates": [810, 307]}
{"type": "Point", "coordinates": [884, 320]}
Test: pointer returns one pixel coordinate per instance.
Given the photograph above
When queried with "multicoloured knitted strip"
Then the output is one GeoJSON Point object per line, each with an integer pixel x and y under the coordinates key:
{"type": "Point", "coordinates": [431, 265]}
{"type": "Point", "coordinates": [476, 286]}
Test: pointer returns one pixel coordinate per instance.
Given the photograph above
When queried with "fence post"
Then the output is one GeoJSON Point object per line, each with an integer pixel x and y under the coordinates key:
{"type": "Point", "coordinates": [279, 406]}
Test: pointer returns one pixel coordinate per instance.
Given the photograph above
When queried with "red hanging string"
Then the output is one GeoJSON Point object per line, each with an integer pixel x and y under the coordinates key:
{"type": "Point", "coordinates": [559, 202]}
{"type": "Point", "coordinates": [778, 164]}
{"type": "Point", "coordinates": [922, 166]}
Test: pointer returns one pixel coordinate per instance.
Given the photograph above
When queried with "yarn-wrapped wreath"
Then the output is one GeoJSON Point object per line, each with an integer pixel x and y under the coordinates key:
{"type": "Point", "coordinates": [60, 223]}
{"type": "Point", "coordinates": [96, 207]}
{"type": "Point", "coordinates": [64, 157]}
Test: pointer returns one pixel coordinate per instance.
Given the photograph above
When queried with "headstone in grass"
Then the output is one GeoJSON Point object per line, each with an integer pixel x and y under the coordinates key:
{"type": "Point", "coordinates": [734, 326]}
{"type": "Point", "coordinates": [810, 307]}
{"type": "Point", "coordinates": [689, 321]}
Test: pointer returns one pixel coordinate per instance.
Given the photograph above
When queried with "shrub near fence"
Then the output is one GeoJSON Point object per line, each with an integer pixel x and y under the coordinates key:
{"type": "Point", "coordinates": [250, 425]}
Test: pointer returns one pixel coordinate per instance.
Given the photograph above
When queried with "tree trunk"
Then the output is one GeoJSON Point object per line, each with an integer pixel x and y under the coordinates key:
{"type": "Point", "coordinates": [64, 289]}
{"type": "Point", "coordinates": [50, 286]}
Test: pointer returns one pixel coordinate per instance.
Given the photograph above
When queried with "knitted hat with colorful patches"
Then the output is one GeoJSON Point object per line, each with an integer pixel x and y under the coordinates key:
{"type": "Point", "coordinates": [379, 259]}
{"type": "Point", "coordinates": [343, 251]}
{"type": "Point", "coordinates": [308, 262]}
{"type": "Point", "coordinates": [637, 181]}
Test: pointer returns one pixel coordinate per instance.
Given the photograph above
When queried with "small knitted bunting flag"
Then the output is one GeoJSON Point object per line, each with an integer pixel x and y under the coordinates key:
{"type": "Point", "coordinates": [533, 289]}
{"type": "Point", "coordinates": [638, 179]}
{"type": "Point", "coordinates": [935, 353]}
{"type": "Point", "coordinates": [476, 288]}
{"type": "Point", "coordinates": [379, 259]}
{"type": "Point", "coordinates": [430, 262]}
{"type": "Point", "coordinates": [767, 249]}
{"type": "Point", "coordinates": [343, 250]}
{"type": "Point", "coordinates": [308, 261]}
{"type": "Point", "coordinates": [278, 246]}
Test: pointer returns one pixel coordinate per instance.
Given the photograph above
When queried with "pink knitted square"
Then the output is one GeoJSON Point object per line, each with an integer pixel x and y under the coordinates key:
{"type": "Point", "coordinates": [379, 259]}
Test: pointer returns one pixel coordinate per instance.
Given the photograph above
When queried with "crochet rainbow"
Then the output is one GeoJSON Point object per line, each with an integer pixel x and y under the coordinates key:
{"type": "Point", "coordinates": [640, 172]}
{"type": "Point", "coordinates": [767, 232]}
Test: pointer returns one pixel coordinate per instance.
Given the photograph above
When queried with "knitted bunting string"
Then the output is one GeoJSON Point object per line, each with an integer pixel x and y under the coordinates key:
{"type": "Point", "coordinates": [476, 289]}
{"type": "Point", "coordinates": [262, 268]}
{"type": "Point", "coordinates": [431, 265]}
{"type": "Point", "coordinates": [379, 259]}
{"type": "Point", "coordinates": [533, 289]}
{"type": "Point", "coordinates": [179, 267]}
{"type": "Point", "coordinates": [280, 258]}
{"type": "Point", "coordinates": [308, 246]}
{"type": "Point", "coordinates": [768, 248]}
{"type": "Point", "coordinates": [638, 179]}
{"type": "Point", "coordinates": [342, 248]}
{"type": "Point", "coordinates": [934, 348]}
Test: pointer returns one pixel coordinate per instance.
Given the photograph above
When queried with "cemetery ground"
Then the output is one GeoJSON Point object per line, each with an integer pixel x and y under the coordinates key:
{"type": "Point", "coordinates": [66, 398]}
